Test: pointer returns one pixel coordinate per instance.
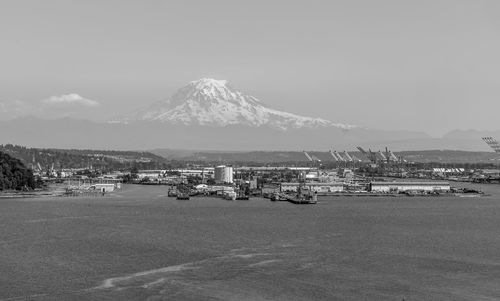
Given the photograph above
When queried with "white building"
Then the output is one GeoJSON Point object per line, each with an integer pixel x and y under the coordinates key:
{"type": "Point", "coordinates": [202, 188]}
{"type": "Point", "coordinates": [151, 174]}
{"type": "Point", "coordinates": [318, 187]}
{"type": "Point", "coordinates": [409, 186]}
{"type": "Point", "coordinates": [223, 174]}
{"type": "Point", "coordinates": [104, 187]}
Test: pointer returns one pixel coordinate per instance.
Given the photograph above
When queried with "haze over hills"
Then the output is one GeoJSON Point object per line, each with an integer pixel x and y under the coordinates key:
{"type": "Point", "coordinates": [73, 133]}
{"type": "Point", "coordinates": [287, 157]}
{"type": "Point", "coordinates": [471, 134]}
{"type": "Point", "coordinates": [209, 114]}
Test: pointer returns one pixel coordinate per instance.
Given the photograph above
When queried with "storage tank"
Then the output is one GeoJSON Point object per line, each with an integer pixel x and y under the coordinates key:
{"type": "Point", "coordinates": [223, 174]}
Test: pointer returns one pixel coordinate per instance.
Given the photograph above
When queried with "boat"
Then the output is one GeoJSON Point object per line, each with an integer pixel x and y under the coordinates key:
{"type": "Point", "coordinates": [172, 192]}
{"type": "Point", "coordinates": [229, 195]}
{"type": "Point", "coordinates": [300, 198]}
{"type": "Point", "coordinates": [182, 196]}
{"type": "Point", "coordinates": [276, 197]}
{"type": "Point", "coordinates": [242, 197]}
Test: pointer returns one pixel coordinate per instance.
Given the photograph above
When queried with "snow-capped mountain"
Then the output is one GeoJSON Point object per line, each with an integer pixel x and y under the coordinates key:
{"type": "Point", "coordinates": [210, 102]}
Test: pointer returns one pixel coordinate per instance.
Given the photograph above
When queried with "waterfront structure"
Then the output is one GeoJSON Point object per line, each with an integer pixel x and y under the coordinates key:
{"type": "Point", "coordinates": [223, 174]}
{"type": "Point", "coordinates": [317, 187]}
{"type": "Point", "coordinates": [409, 186]}
{"type": "Point", "coordinates": [104, 187]}
{"type": "Point", "coordinates": [440, 170]}
{"type": "Point", "coordinates": [151, 174]}
{"type": "Point", "coordinates": [203, 172]}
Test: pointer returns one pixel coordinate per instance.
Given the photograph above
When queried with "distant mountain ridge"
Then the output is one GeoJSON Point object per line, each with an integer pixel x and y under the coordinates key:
{"type": "Point", "coordinates": [210, 102]}
{"type": "Point", "coordinates": [82, 134]}
{"type": "Point", "coordinates": [298, 157]}
{"type": "Point", "coordinates": [471, 134]}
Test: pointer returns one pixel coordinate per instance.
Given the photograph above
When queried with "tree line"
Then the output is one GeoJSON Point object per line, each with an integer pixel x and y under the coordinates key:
{"type": "Point", "coordinates": [46, 159]}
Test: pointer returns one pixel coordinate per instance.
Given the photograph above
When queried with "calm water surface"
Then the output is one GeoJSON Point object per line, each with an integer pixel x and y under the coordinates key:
{"type": "Point", "coordinates": [141, 245]}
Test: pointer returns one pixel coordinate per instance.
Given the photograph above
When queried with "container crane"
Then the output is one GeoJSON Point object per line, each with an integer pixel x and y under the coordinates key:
{"type": "Point", "coordinates": [493, 143]}
{"type": "Point", "coordinates": [312, 158]}
{"type": "Point", "coordinates": [369, 154]}
{"type": "Point", "coordinates": [335, 156]}
{"type": "Point", "coordinates": [393, 157]}
{"type": "Point", "coordinates": [308, 156]}
{"type": "Point", "coordinates": [315, 159]}
{"type": "Point", "coordinates": [347, 156]}
{"type": "Point", "coordinates": [384, 158]}
{"type": "Point", "coordinates": [342, 159]}
{"type": "Point", "coordinates": [356, 159]}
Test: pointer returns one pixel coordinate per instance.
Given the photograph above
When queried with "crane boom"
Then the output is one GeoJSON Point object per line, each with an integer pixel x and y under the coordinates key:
{"type": "Point", "coordinates": [315, 159]}
{"type": "Point", "coordinates": [308, 157]}
{"type": "Point", "coordinates": [384, 158]}
{"type": "Point", "coordinates": [393, 157]}
{"type": "Point", "coordinates": [334, 156]}
{"type": "Point", "coordinates": [493, 143]}
{"type": "Point", "coordinates": [356, 159]}
{"type": "Point", "coordinates": [368, 154]}
{"type": "Point", "coordinates": [373, 156]}
{"type": "Point", "coordinates": [347, 156]}
{"type": "Point", "coordinates": [362, 150]}
{"type": "Point", "coordinates": [339, 156]}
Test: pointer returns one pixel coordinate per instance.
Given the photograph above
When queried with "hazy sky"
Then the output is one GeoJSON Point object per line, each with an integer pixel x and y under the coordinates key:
{"type": "Point", "coordinates": [422, 65]}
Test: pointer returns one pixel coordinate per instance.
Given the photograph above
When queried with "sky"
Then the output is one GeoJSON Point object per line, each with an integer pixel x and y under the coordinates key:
{"type": "Point", "coordinates": [429, 66]}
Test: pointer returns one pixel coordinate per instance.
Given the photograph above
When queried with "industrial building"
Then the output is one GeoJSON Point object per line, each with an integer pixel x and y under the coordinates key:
{"type": "Point", "coordinates": [409, 186]}
{"type": "Point", "coordinates": [151, 174]}
{"type": "Point", "coordinates": [318, 187]}
{"type": "Point", "coordinates": [223, 174]}
{"type": "Point", "coordinates": [105, 187]}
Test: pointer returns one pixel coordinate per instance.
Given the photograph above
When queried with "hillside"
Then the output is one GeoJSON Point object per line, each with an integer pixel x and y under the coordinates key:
{"type": "Point", "coordinates": [41, 158]}
{"type": "Point", "coordinates": [14, 174]}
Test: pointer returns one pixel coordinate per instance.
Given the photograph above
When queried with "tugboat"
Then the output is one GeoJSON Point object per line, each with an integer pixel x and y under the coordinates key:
{"type": "Point", "coordinates": [229, 195]}
{"type": "Point", "coordinates": [182, 196]}
{"type": "Point", "coordinates": [243, 193]}
{"type": "Point", "coordinates": [277, 197]}
{"type": "Point", "coordinates": [301, 198]}
{"type": "Point", "coordinates": [172, 192]}
{"type": "Point", "coordinates": [242, 197]}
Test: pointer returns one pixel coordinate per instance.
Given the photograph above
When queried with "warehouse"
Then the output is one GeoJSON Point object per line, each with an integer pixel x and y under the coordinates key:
{"type": "Point", "coordinates": [409, 186]}
{"type": "Point", "coordinates": [105, 187]}
{"type": "Point", "coordinates": [319, 187]}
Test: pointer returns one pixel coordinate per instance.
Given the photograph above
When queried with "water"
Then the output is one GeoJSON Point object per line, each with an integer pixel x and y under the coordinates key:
{"type": "Point", "coordinates": [141, 245]}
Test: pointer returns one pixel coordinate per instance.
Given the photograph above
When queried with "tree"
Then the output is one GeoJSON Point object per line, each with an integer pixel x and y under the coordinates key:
{"type": "Point", "coordinates": [14, 174]}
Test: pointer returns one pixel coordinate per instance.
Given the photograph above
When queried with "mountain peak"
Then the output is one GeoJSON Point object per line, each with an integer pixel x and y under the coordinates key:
{"type": "Point", "coordinates": [205, 89]}
{"type": "Point", "coordinates": [211, 102]}
{"type": "Point", "coordinates": [208, 82]}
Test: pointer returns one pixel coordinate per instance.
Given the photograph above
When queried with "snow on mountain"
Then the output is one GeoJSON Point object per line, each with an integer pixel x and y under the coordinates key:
{"type": "Point", "coordinates": [210, 102]}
